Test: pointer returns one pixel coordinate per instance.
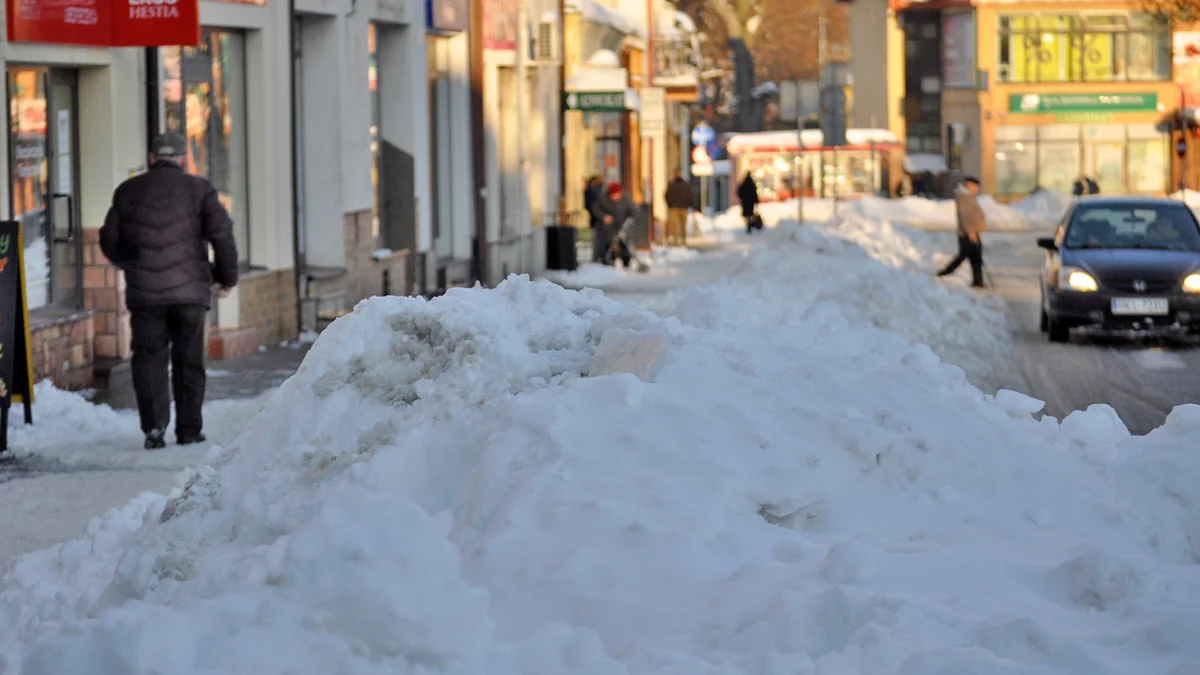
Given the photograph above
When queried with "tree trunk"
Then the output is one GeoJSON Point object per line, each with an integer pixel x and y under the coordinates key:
{"type": "Point", "coordinates": [749, 111]}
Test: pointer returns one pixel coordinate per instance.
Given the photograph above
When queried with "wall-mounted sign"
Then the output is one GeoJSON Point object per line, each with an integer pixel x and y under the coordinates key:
{"type": "Point", "coordinates": [16, 357]}
{"type": "Point", "coordinates": [596, 101]}
{"type": "Point", "coordinates": [74, 22]}
{"type": "Point", "coordinates": [447, 16]}
{"type": "Point", "coordinates": [156, 23]}
{"type": "Point", "coordinates": [958, 50]}
{"type": "Point", "coordinates": [105, 23]}
{"type": "Point", "coordinates": [1186, 55]}
{"type": "Point", "coordinates": [1082, 103]}
{"type": "Point", "coordinates": [500, 25]}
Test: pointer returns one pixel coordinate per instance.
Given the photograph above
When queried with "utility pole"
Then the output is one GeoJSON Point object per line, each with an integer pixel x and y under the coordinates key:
{"type": "Point", "coordinates": [522, 57]}
{"type": "Point", "coordinates": [649, 82]}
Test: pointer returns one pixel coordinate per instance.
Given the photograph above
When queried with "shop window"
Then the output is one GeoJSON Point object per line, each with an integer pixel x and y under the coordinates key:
{"type": "Point", "coordinates": [1016, 160]}
{"type": "Point", "coordinates": [204, 98]}
{"type": "Point", "coordinates": [1147, 164]}
{"type": "Point", "coordinates": [1110, 47]}
{"type": "Point", "coordinates": [44, 186]}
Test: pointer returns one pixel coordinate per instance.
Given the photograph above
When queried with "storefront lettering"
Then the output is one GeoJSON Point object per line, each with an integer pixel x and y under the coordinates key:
{"type": "Point", "coordinates": [1082, 103]}
{"type": "Point", "coordinates": [153, 9]}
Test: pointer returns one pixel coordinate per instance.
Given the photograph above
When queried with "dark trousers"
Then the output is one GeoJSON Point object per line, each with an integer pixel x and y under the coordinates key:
{"type": "Point", "coordinates": [967, 250]}
{"type": "Point", "coordinates": [172, 334]}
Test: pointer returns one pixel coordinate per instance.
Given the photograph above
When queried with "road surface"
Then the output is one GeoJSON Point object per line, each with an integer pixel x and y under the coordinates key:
{"type": "Point", "coordinates": [1142, 379]}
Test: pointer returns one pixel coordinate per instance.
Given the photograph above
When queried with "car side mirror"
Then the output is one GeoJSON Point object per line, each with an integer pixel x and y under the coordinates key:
{"type": "Point", "coordinates": [1047, 243]}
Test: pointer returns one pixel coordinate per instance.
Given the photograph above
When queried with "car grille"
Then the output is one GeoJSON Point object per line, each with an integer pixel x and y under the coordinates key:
{"type": "Point", "coordinates": [1125, 285]}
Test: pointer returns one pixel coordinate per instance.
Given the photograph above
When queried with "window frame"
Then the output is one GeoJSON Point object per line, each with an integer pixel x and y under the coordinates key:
{"type": "Point", "coordinates": [1072, 32]}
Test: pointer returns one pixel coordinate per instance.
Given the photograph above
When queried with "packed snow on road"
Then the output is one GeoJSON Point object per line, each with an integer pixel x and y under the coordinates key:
{"type": "Point", "coordinates": [806, 468]}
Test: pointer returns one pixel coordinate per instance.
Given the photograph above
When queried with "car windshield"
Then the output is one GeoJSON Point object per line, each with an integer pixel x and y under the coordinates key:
{"type": "Point", "coordinates": [1166, 227]}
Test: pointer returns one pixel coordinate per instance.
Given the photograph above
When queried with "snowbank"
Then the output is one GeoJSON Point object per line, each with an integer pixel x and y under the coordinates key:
{"type": "Point", "coordinates": [1038, 211]}
{"type": "Point", "coordinates": [541, 481]}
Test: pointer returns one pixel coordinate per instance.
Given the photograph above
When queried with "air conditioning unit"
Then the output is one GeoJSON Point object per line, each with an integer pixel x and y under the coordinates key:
{"type": "Point", "coordinates": [547, 44]}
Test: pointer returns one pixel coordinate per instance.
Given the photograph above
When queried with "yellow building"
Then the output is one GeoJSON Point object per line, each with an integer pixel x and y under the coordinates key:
{"type": "Point", "coordinates": [1034, 94]}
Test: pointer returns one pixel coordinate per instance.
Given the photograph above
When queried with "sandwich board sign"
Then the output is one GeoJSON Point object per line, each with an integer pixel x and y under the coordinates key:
{"type": "Point", "coordinates": [16, 355]}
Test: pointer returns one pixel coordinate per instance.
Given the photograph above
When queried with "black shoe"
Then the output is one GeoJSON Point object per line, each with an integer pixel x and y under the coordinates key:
{"type": "Point", "coordinates": [190, 440]}
{"type": "Point", "coordinates": [155, 440]}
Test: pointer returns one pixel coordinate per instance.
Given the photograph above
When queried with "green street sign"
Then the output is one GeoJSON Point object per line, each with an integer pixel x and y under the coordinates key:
{"type": "Point", "coordinates": [1082, 103]}
{"type": "Point", "coordinates": [595, 101]}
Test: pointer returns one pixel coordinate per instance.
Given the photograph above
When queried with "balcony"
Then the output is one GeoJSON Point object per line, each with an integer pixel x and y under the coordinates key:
{"type": "Point", "coordinates": [677, 59]}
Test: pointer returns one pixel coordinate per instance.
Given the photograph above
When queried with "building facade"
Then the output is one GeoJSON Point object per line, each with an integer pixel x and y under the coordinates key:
{"type": "Point", "coordinates": [1034, 94]}
{"type": "Point", "coordinates": [362, 176]}
{"type": "Point", "coordinates": [312, 125]}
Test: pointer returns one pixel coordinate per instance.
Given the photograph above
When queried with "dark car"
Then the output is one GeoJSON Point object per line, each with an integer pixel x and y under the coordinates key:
{"type": "Point", "coordinates": [1118, 263]}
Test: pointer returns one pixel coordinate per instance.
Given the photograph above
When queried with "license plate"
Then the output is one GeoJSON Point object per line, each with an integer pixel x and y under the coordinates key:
{"type": "Point", "coordinates": [1140, 306]}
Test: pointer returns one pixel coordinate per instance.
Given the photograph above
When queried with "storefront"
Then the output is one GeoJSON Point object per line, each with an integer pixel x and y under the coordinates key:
{"type": "Point", "coordinates": [604, 67]}
{"type": "Point", "coordinates": [1071, 93]}
{"type": "Point", "coordinates": [75, 128]}
{"type": "Point", "coordinates": [1122, 158]}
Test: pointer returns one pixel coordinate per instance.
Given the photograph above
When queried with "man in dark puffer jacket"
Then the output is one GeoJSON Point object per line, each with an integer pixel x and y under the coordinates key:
{"type": "Point", "coordinates": [158, 232]}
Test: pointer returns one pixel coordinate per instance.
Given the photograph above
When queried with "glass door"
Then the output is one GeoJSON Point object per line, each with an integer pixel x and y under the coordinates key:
{"type": "Point", "coordinates": [66, 256]}
{"type": "Point", "coordinates": [44, 178]}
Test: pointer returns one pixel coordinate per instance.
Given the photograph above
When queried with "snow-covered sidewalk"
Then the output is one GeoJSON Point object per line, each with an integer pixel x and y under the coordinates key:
{"type": "Point", "coordinates": [770, 475]}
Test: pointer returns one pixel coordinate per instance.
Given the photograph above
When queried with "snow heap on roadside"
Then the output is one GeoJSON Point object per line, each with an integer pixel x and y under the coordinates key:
{"type": "Point", "coordinates": [538, 481]}
{"type": "Point", "coordinates": [1038, 211]}
{"type": "Point", "coordinates": [873, 274]}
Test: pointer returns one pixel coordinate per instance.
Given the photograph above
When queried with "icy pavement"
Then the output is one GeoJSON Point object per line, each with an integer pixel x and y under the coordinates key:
{"type": "Point", "coordinates": [80, 459]}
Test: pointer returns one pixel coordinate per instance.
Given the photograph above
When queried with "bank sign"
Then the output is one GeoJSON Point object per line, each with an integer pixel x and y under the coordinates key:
{"type": "Point", "coordinates": [105, 23]}
{"type": "Point", "coordinates": [1082, 103]}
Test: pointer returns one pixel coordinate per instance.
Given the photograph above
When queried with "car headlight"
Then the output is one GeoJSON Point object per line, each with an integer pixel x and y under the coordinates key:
{"type": "Point", "coordinates": [1075, 279]}
{"type": "Point", "coordinates": [1192, 283]}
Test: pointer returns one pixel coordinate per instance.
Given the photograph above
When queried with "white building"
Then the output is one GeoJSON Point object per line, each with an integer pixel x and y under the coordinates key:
{"type": "Point", "coordinates": [522, 154]}
{"type": "Point", "coordinates": [311, 234]}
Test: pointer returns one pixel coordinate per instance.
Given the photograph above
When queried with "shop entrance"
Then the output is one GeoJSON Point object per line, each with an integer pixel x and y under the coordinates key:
{"type": "Point", "coordinates": [44, 177]}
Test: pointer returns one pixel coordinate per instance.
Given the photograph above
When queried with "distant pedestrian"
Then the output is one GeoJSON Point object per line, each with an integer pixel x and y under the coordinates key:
{"type": "Point", "coordinates": [611, 212]}
{"type": "Point", "coordinates": [748, 194]}
{"type": "Point", "coordinates": [592, 191]}
{"type": "Point", "coordinates": [971, 224]}
{"type": "Point", "coordinates": [679, 204]}
{"type": "Point", "coordinates": [1085, 185]}
{"type": "Point", "coordinates": [158, 232]}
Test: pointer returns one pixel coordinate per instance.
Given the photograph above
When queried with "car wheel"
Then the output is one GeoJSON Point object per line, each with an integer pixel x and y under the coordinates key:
{"type": "Point", "coordinates": [1058, 331]}
{"type": "Point", "coordinates": [1045, 323]}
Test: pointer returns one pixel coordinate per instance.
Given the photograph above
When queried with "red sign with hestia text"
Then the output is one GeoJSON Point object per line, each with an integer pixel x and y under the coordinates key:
{"type": "Point", "coordinates": [156, 23]}
{"type": "Point", "coordinates": [72, 22]}
{"type": "Point", "coordinates": [105, 23]}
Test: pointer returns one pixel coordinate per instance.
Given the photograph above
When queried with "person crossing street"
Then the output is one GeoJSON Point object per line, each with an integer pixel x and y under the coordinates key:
{"type": "Point", "coordinates": [158, 232]}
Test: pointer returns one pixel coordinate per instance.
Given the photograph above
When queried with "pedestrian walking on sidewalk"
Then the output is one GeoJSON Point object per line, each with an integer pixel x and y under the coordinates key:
{"type": "Point", "coordinates": [971, 224]}
{"type": "Point", "coordinates": [679, 204]}
{"type": "Point", "coordinates": [158, 231]}
{"type": "Point", "coordinates": [748, 195]}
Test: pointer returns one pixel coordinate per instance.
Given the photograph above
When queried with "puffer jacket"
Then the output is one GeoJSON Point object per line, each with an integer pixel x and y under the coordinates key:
{"type": "Point", "coordinates": [158, 231]}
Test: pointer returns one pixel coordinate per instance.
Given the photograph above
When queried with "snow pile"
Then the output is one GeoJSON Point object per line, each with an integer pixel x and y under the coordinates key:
{"type": "Point", "coordinates": [539, 481]}
{"type": "Point", "coordinates": [871, 273]}
{"type": "Point", "coordinates": [1038, 211]}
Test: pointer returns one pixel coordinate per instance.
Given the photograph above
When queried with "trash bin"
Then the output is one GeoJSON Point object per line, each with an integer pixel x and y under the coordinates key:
{"type": "Point", "coordinates": [561, 250]}
{"type": "Point", "coordinates": [639, 232]}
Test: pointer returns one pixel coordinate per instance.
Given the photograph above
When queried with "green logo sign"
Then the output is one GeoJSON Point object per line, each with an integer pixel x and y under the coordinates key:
{"type": "Point", "coordinates": [1082, 103]}
{"type": "Point", "coordinates": [598, 101]}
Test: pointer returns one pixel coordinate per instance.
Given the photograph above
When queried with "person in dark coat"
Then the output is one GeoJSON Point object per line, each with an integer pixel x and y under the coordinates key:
{"type": "Point", "coordinates": [611, 211]}
{"type": "Point", "coordinates": [680, 200]}
{"type": "Point", "coordinates": [592, 191]}
{"type": "Point", "coordinates": [158, 231]}
{"type": "Point", "coordinates": [748, 194]}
